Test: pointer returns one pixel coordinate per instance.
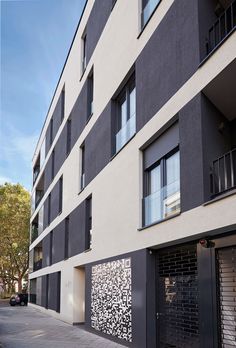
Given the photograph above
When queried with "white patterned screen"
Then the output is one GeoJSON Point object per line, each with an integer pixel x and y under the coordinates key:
{"type": "Point", "coordinates": [111, 298]}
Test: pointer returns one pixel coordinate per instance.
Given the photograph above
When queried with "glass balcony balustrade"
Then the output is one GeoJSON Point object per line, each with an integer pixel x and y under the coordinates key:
{"type": "Point", "coordinates": [125, 133]}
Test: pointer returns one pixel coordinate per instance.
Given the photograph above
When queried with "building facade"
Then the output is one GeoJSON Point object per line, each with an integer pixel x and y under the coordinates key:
{"type": "Point", "coordinates": [133, 227]}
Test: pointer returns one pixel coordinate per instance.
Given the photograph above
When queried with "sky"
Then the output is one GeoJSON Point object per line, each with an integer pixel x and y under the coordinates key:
{"type": "Point", "coordinates": [35, 39]}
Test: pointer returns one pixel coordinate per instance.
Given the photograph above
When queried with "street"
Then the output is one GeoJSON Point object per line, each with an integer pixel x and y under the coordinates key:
{"type": "Point", "coordinates": [24, 327]}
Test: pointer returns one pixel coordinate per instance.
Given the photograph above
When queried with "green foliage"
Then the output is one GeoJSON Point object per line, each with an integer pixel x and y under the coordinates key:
{"type": "Point", "coordinates": [14, 233]}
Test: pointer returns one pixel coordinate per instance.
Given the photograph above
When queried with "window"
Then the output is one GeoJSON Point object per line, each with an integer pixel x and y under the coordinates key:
{"type": "Point", "coordinates": [88, 225]}
{"type": "Point", "coordinates": [60, 194]}
{"type": "Point", "coordinates": [148, 7]}
{"type": "Point", "coordinates": [90, 95]}
{"type": "Point", "coordinates": [82, 177]}
{"type": "Point", "coordinates": [126, 115]}
{"type": "Point", "coordinates": [62, 104]}
{"type": "Point", "coordinates": [84, 52]}
{"type": "Point", "coordinates": [68, 136]}
{"type": "Point", "coordinates": [49, 208]}
{"type": "Point", "coordinates": [67, 222]}
{"type": "Point", "coordinates": [53, 164]}
{"type": "Point", "coordinates": [51, 131]}
{"type": "Point", "coordinates": [162, 189]}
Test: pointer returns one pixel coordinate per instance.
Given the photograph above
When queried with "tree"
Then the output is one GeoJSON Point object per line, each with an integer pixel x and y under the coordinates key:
{"type": "Point", "coordinates": [14, 234]}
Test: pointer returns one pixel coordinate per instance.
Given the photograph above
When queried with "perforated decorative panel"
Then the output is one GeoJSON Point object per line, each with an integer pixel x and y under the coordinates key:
{"type": "Point", "coordinates": [178, 298]}
{"type": "Point", "coordinates": [111, 298]}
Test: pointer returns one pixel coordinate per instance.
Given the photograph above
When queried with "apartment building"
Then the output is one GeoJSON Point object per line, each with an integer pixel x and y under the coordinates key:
{"type": "Point", "coordinates": [133, 227]}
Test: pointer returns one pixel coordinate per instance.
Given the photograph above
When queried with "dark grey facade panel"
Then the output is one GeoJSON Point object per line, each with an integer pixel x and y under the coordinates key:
{"type": "Point", "coordinates": [60, 150]}
{"type": "Point", "coordinates": [79, 115]}
{"type": "Point", "coordinates": [53, 290]}
{"type": "Point", "coordinates": [48, 174]}
{"type": "Point", "coordinates": [47, 141]}
{"type": "Point", "coordinates": [44, 291]}
{"type": "Point", "coordinates": [96, 22]}
{"type": "Point", "coordinates": [57, 115]}
{"type": "Point", "coordinates": [191, 155]}
{"type": "Point", "coordinates": [98, 145]}
{"type": "Point", "coordinates": [138, 261]}
{"type": "Point", "coordinates": [168, 60]}
{"type": "Point", "coordinates": [45, 213]}
{"type": "Point", "coordinates": [46, 251]}
{"type": "Point", "coordinates": [160, 147]}
{"type": "Point", "coordinates": [77, 230]}
{"type": "Point", "coordinates": [55, 201]}
{"type": "Point", "coordinates": [58, 244]}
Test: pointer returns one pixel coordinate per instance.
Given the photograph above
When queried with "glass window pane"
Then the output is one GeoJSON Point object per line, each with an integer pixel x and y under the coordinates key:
{"type": "Point", "coordinates": [172, 192]}
{"type": "Point", "coordinates": [155, 180]}
{"type": "Point", "coordinates": [133, 103]}
{"type": "Point", "coordinates": [123, 113]}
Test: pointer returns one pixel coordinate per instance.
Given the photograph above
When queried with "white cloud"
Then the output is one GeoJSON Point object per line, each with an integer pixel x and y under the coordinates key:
{"type": "Point", "coordinates": [4, 179]}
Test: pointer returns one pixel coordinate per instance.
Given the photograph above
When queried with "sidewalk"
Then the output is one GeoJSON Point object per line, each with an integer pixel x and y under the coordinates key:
{"type": "Point", "coordinates": [25, 327]}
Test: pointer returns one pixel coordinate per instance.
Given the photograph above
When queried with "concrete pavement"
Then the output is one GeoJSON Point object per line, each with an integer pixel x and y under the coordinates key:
{"type": "Point", "coordinates": [25, 327]}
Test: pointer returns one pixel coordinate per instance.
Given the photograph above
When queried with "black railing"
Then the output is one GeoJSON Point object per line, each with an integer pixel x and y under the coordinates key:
{"type": "Point", "coordinates": [225, 24]}
{"type": "Point", "coordinates": [37, 265]}
{"type": "Point", "coordinates": [223, 173]}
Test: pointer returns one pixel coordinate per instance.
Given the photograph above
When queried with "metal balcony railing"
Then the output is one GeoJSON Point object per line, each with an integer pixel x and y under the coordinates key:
{"type": "Point", "coordinates": [223, 173]}
{"type": "Point", "coordinates": [225, 24]}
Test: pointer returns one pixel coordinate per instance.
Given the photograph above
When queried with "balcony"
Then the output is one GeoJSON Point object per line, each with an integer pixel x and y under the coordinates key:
{"type": "Point", "coordinates": [223, 173]}
{"type": "Point", "coordinates": [34, 232]}
{"type": "Point", "coordinates": [162, 204]}
{"type": "Point", "coordinates": [36, 173]}
{"type": "Point", "coordinates": [125, 133]}
{"type": "Point", "coordinates": [224, 26]}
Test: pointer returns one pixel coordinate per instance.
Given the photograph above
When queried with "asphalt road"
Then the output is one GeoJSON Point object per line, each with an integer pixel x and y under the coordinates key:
{"type": "Point", "coordinates": [25, 327]}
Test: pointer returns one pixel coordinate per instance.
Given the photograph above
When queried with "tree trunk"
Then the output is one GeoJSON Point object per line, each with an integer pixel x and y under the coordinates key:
{"type": "Point", "coordinates": [19, 284]}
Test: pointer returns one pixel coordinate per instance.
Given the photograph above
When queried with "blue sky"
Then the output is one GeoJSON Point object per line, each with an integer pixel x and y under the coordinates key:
{"type": "Point", "coordinates": [35, 39]}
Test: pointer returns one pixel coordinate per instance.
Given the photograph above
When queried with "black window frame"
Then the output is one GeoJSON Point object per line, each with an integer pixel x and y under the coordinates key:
{"type": "Point", "coordinates": [90, 94]}
{"type": "Point", "coordinates": [49, 209]}
{"type": "Point", "coordinates": [82, 161]}
{"type": "Point", "coordinates": [62, 103]}
{"type": "Point", "coordinates": [53, 164]}
{"type": "Point", "coordinates": [143, 5]}
{"type": "Point", "coordinates": [51, 131]}
{"type": "Point", "coordinates": [84, 51]}
{"type": "Point", "coordinates": [124, 95]}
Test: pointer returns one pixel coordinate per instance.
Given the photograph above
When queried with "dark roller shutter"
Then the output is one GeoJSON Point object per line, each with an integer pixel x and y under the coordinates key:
{"type": "Point", "coordinates": [227, 296]}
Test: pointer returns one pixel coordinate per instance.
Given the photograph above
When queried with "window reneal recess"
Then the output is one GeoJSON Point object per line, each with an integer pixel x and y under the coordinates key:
{"type": "Point", "coordinates": [84, 52]}
{"type": "Point", "coordinates": [126, 115]}
{"type": "Point", "coordinates": [88, 225]}
{"type": "Point", "coordinates": [82, 176]}
{"type": "Point", "coordinates": [90, 95]}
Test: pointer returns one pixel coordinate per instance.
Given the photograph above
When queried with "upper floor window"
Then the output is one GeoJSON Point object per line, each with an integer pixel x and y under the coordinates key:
{"type": "Point", "coordinates": [53, 164]}
{"type": "Point", "coordinates": [162, 189]}
{"type": "Point", "coordinates": [148, 7]}
{"type": "Point", "coordinates": [62, 103]}
{"type": "Point", "coordinates": [67, 224]}
{"type": "Point", "coordinates": [68, 136]}
{"type": "Point", "coordinates": [84, 52]}
{"type": "Point", "coordinates": [60, 194]}
{"type": "Point", "coordinates": [90, 95]}
{"type": "Point", "coordinates": [82, 176]}
{"type": "Point", "coordinates": [51, 131]}
{"type": "Point", "coordinates": [126, 115]}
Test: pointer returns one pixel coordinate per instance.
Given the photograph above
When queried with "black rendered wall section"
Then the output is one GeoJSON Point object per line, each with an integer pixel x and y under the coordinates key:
{"type": "Point", "coordinates": [60, 150]}
{"type": "Point", "coordinates": [45, 213]}
{"type": "Point", "coordinates": [168, 60]}
{"type": "Point", "coordinates": [77, 230]}
{"type": "Point", "coordinates": [48, 174]}
{"type": "Point", "coordinates": [46, 251]}
{"type": "Point", "coordinates": [139, 278]}
{"type": "Point", "coordinates": [79, 115]}
{"type": "Point", "coordinates": [55, 201]}
{"type": "Point", "coordinates": [191, 155]}
{"type": "Point", "coordinates": [98, 145]}
{"type": "Point", "coordinates": [57, 117]}
{"type": "Point", "coordinates": [96, 22]}
{"type": "Point", "coordinates": [58, 244]}
{"type": "Point", "coordinates": [44, 291]}
{"type": "Point", "coordinates": [54, 291]}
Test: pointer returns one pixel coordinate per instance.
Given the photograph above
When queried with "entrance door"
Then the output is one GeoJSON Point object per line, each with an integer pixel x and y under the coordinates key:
{"type": "Point", "coordinates": [177, 298]}
{"type": "Point", "coordinates": [226, 261]}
